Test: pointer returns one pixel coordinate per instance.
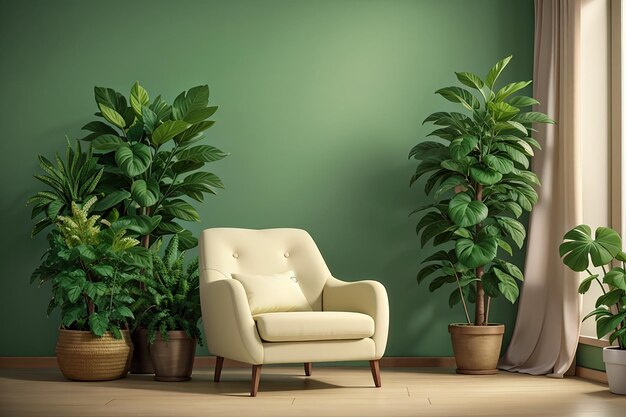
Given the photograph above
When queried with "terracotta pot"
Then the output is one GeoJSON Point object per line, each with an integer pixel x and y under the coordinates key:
{"type": "Point", "coordinates": [84, 357]}
{"type": "Point", "coordinates": [141, 363]}
{"type": "Point", "coordinates": [476, 348]}
{"type": "Point", "coordinates": [615, 362]}
{"type": "Point", "coordinates": [173, 360]}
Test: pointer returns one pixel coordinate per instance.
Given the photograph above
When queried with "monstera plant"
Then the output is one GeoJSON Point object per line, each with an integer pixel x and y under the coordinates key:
{"type": "Point", "coordinates": [153, 160]}
{"type": "Point", "coordinates": [478, 170]}
{"type": "Point", "coordinates": [605, 251]}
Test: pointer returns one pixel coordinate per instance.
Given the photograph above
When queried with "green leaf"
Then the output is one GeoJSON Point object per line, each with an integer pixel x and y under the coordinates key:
{"type": "Point", "coordinates": [507, 285]}
{"type": "Point", "coordinates": [509, 89]}
{"type": "Point", "coordinates": [181, 167]}
{"type": "Point", "coordinates": [133, 160]}
{"type": "Point", "coordinates": [143, 224]}
{"type": "Point", "coordinates": [518, 126]}
{"type": "Point", "coordinates": [479, 253]}
{"type": "Point", "coordinates": [608, 324]}
{"type": "Point", "coordinates": [511, 269]}
{"type": "Point", "coordinates": [499, 163]}
{"type": "Point", "coordinates": [503, 111]}
{"type": "Point", "coordinates": [579, 246]}
{"type": "Point", "coordinates": [610, 298]}
{"type": "Point", "coordinates": [495, 72]}
{"type": "Point", "coordinates": [514, 229]}
{"type": "Point", "coordinates": [455, 298]}
{"type": "Point", "coordinates": [182, 210]}
{"type": "Point", "coordinates": [124, 311]}
{"type": "Point", "coordinates": [103, 270]}
{"type": "Point", "coordinates": [85, 253]}
{"type": "Point", "coordinates": [167, 130]}
{"type": "Point", "coordinates": [202, 153]}
{"type": "Point", "coordinates": [515, 154]}
{"type": "Point", "coordinates": [451, 165]}
{"type": "Point", "coordinates": [150, 119]}
{"type": "Point", "coordinates": [111, 199]}
{"type": "Point", "coordinates": [522, 101]}
{"type": "Point", "coordinates": [194, 131]}
{"type": "Point", "coordinates": [186, 240]}
{"type": "Point", "coordinates": [74, 292]}
{"type": "Point", "coordinates": [107, 143]}
{"type": "Point", "coordinates": [112, 116]}
{"type": "Point", "coordinates": [138, 98]}
{"type": "Point", "coordinates": [586, 283]}
{"type": "Point", "coordinates": [616, 278]}
{"type": "Point", "coordinates": [72, 314]}
{"type": "Point", "coordinates": [449, 184]}
{"type": "Point", "coordinates": [470, 80]}
{"type": "Point", "coordinates": [459, 95]}
{"type": "Point", "coordinates": [146, 194]}
{"type": "Point", "coordinates": [426, 271]}
{"type": "Point", "coordinates": [98, 323]}
{"type": "Point", "coordinates": [533, 117]}
{"type": "Point", "coordinates": [485, 175]}
{"type": "Point", "coordinates": [460, 147]}
{"type": "Point", "coordinates": [187, 103]}
{"type": "Point", "coordinates": [505, 246]}
{"type": "Point", "coordinates": [466, 212]}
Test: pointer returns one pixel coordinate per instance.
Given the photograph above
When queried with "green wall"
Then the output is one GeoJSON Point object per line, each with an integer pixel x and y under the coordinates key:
{"type": "Point", "coordinates": [320, 102]}
{"type": "Point", "coordinates": [589, 356]}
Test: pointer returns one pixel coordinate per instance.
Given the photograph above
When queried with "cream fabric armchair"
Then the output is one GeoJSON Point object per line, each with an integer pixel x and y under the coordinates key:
{"type": "Point", "coordinates": [348, 321]}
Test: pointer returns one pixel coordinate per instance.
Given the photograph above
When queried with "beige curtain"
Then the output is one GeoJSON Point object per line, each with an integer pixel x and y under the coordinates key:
{"type": "Point", "coordinates": [548, 321]}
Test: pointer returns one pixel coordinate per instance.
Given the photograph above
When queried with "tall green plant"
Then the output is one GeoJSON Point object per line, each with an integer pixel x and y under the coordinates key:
{"type": "Point", "coordinates": [152, 160]}
{"type": "Point", "coordinates": [605, 252]}
{"type": "Point", "coordinates": [479, 172]}
{"type": "Point", "coordinates": [72, 180]}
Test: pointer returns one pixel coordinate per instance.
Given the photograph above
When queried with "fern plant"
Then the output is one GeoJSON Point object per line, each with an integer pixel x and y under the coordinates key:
{"type": "Point", "coordinates": [91, 269]}
{"type": "Point", "coordinates": [171, 300]}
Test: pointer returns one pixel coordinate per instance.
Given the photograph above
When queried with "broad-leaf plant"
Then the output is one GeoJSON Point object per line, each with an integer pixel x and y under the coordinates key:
{"type": "Point", "coordinates": [93, 268]}
{"type": "Point", "coordinates": [605, 252]}
{"type": "Point", "coordinates": [171, 299]}
{"type": "Point", "coordinates": [153, 160]}
{"type": "Point", "coordinates": [478, 170]}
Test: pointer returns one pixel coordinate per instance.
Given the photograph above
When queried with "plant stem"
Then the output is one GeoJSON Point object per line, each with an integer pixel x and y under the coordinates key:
{"type": "Point", "coordinates": [479, 314]}
{"type": "Point", "coordinates": [458, 282]}
{"type": "Point", "coordinates": [487, 312]}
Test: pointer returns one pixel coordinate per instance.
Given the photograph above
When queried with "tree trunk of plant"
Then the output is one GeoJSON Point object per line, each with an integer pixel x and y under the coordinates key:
{"type": "Point", "coordinates": [145, 240]}
{"type": "Point", "coordinates": [479, 314]}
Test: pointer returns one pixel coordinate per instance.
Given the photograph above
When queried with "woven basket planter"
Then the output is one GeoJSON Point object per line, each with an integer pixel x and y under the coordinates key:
{"type": "Point", "coordinates": [85, 357]}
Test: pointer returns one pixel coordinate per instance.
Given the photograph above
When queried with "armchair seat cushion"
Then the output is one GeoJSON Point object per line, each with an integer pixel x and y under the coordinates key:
{"type": "Point", "coordinates": [301, 326]}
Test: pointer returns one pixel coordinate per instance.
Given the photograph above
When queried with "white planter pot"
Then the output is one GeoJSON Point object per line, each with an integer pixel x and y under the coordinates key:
{"type": "Point", "coordinates": [615, 361]}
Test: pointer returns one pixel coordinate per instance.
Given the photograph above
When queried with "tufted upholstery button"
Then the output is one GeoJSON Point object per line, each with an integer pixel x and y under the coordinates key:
{"type": "Point", "coordinates": [286, 254]}
{"type": "Point", "coordinates": [235, 255]}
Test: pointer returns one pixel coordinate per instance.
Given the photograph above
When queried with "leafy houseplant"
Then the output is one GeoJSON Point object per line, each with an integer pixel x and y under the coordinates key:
{"type": "Point", "coordinates": [151, 159]}
{"type": "Point", "coordinates": [605, 252]}
{"type": "Point", "coordinates": [479, 172]}
{"type": "Point", "coordinates": [91, 270]}
{"type": "Point", "coordinates": [72, 180]}
{"type": "Point", "coordinates": [169, 310]}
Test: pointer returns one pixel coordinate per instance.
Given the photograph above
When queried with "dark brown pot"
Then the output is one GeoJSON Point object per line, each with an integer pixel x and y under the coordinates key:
{"type": "Point", "coordinates": [173, 360]}
{"type": "Point", "coordinates": [84, 357]}
{"type": "Point", "coordinates": [476, 348]}
{"type": "Point", "coordinates": [141, 363]}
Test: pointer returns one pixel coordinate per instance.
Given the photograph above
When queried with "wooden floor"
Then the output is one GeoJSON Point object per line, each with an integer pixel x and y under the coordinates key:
{"type": "Point", "coordinates": [328, 392]}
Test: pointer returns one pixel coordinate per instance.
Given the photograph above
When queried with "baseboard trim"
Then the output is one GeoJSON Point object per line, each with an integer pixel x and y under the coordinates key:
{"type": "Point", "coordinates": [592, 375]}
{"type": "Point", "coordinates": [209, 362]}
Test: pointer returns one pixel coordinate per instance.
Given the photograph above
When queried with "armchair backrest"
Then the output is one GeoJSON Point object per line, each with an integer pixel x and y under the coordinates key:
{"type": "Point", "coordinates": [224, 251]}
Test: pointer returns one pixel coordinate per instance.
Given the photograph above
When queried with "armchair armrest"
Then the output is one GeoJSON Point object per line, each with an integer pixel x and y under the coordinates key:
{"type": "Point", "coordinates": [367, 297]}
{"type": "Point", "coordinates": [229, 328]}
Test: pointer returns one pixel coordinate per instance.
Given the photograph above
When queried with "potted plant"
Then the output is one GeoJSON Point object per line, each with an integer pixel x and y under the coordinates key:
{"type": "Point", "coordinates": [90, 269]}
{"type": "Point", "coordinates": [605, 252]}
{"type": "Point", "coordinates": [479, 173]}
{"type": "Point", "coordinates": [153, 164]}
{"type": "Point", "coordinates": [169, 310]}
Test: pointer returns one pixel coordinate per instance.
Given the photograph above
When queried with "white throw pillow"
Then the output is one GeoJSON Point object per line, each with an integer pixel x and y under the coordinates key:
{"type": "Point", "coordinates": [273, 293]}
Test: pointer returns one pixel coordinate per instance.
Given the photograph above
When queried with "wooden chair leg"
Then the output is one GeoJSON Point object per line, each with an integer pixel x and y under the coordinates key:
{"type": "Point", "coordinates": [219, 361]}
{"type": "Point", "coordinates": [308, 367]}
{"type": "Point", "coordinates": [375, 366]}
{"type": "Point", "coordinates": [256, 377]}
